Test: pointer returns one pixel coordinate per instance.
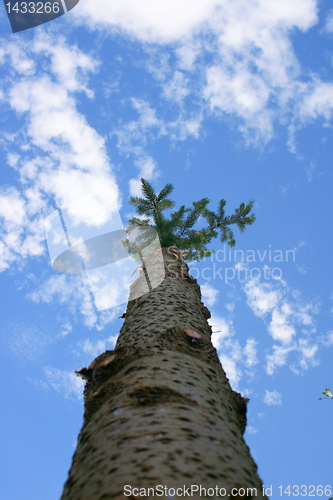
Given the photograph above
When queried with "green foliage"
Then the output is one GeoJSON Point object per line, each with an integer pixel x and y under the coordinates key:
{"type": "Point", "coordinates": [177, 230]}
{"type": "Point", "coordinates": [327, 393]}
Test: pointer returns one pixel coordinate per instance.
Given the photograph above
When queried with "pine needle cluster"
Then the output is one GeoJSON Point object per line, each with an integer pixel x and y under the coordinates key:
{"type": "Point", "coordinates": [178, 230]}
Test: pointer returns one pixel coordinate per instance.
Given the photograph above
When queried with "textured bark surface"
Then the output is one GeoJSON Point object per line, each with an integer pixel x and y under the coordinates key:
{"type": "Point", "coordinates": [159, 409]}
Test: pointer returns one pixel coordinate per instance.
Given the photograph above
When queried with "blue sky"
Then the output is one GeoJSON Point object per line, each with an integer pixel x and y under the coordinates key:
{"type": "Point", "coordinates": [224, 99]}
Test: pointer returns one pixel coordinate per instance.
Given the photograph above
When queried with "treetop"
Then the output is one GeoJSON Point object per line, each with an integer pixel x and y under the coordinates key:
{"type": "Point", "coordinates": [178, 230]}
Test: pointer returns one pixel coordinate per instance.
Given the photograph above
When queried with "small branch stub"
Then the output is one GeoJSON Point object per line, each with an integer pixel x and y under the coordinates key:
{"type": "Point", "coordinates": [84, 373]}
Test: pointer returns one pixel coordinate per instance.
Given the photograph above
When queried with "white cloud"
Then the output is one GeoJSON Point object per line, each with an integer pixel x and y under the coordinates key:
{"type": "Point", "coordinates": [278, 357]}
{"type": "Point", "coordinates": [66, 383]}
{"type": "Point", "coordinates": [251, 430]}
{"type": "Point", "coordinates": [240, 93]}
{"type": "Point", "coordinates": [232, 356]}
{"type": "Point", "coordinates": [74, 292]}
{"type": "Point", "coordinates": [272, 398]}
{"type": "Point", "coordinates": [147, 115]}
{"type": "Point", "coordinates": [307, 350]}
{"type": "Point", "coordinates": [79, 164]}
{"type": "Point", "coordinates": [187, 53]}
{"type": "Point", "coordinates": [149, 20]}
{"type": "Point", "coordinates": [69, 64]}
{"type": "Point", "coordinates": [290, 322]}
{"type": "Point", "coordinates": [261, 297]}
{"type": "Point", "coordinates": [20, 236]}
{"type": "Point", "coordinates": [147, 170]}
{"type": "Point", "coordinates": [304, 350]}
{"type": "Point", "coordinates": [12, 207]}
{"type": "Point", "coordinates": [317, 102]}
{"type": "Point", "coordinates": [209, 294]}
{"type": "Point", "coordinates": [135, 187]}
{"type": "Point", "coordinates": [58, 155]}
{"type": "Point", "coordinates": [164, 22]}
{"type": "Point", "coordinates": [329, 22]}
{"type": "Point", "coordinates": [97, 347]}
{"type": "Point", "coordinates": [147, 166]}
{"type": "Point", "coordinates": [327, 339]}
{"type": "Point", "coordinates": [66, 328]}
{"type": "Point", "coordinates": [229, 351]}
{"type": "Point", "coordinates": [253, 73]}
{"type": "Point", "coordinates": [221, 330]}
{"type": "Point", "coordinates": [19, 59]}
{"type": "Point", "coordinates": [176, 89]}
{"type": "Point", "coordinates": [132, 136]}
{"type": "Point", "coordinates": [302, 313]}
{"type": "Point", "coordinates": [68, 289]}
{"type": "Point", "coordinates": [279, 327]}
{"type": "Point", "coordinates": [230, 306]}
{"type": "Point", "coordinates": [233, 372]}
{"type": "Point", "coordinates": [250, 352]}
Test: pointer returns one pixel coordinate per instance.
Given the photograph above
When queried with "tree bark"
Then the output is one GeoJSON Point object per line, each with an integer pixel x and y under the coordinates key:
{"type": "Point", "coordinates": [159, 409]}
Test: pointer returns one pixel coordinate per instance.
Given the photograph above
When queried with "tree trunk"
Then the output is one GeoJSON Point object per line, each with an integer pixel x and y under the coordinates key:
{"type": "Point", "coordinates": [159, 409]}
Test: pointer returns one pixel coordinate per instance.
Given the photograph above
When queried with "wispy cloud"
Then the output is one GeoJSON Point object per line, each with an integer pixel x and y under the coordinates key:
{"type": "Point", "coordinates": [278, 357]}
{"type": "Point", "coordinates": [250, 352]}
{"type": "Point", "coordinates": [251, 430]}
{"type": "Point", "coordinates": [290, 322]}
{"type": "Point", "coordinates": [67, 289]}
{"type": "Point", "coordinates": [147, 169]}
{"type": "Point", "coordinates": [329, 22]}
{"type": "Point", "coordinates": [132, 136]}
{"type": "Point", "coordinates": [209, 294]}
{"type": "Point", "coordinates": [280, 328]}
{"type": "Point", "coordinates": [261, 297]}
{"type": "Point", "coordinates": [235, 359]}
{"type": "Point", "coordinates": [231, 367]}
{"type": "Point", "coordinates": [66, 328]}
{"type": "Point", "coordinates": [25, 340]}
{"type": "Point", "coordinates": [147, 126]}
{"type": "Point", "coordinates": [96, 347]}
{"type": "Point", "coordinates": [222, 329]}
{"type": "Point", "coordinates": [238, 360]}
{"type": "Point", "coordinates": [327, 339]}
{"type": "Point", "coordinates": [66, 383]}
{"type": "Point", "coordinates": [40, 384]}
{"type": "Point", "coordinates": [74, 292]}
{"type": "Point", "coordinates": [22, 230]}
{"type": "Point", "coordinates": [272, 398]}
